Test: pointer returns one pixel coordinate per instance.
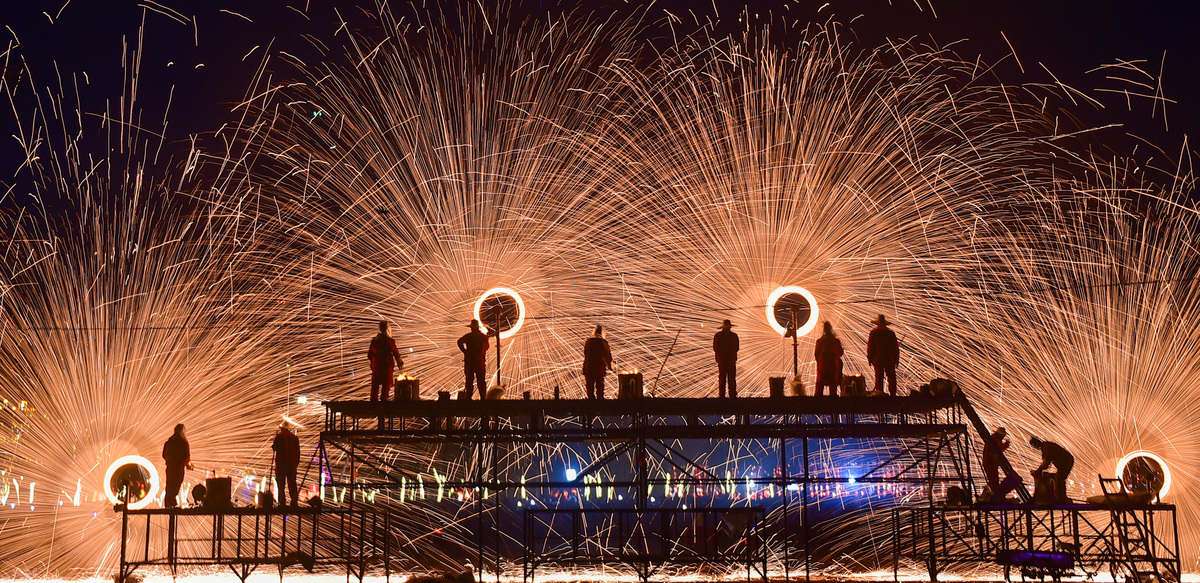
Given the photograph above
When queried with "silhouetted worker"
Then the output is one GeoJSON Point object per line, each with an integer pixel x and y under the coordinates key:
{"type": "Point", "coordinates": [1053, 453]}
{"type": "Point", "coordinates": [178, 455]}
{"type": "Point", "coordinates": [883, 353]}
{"type": "Point", "coordinates": [597, 361]}
{"type": "Point", "coordinates": [828, 353]}
{"type": "Point", "coordinates": [996, 445]}
{"type": "Point", "coordinates": [725, 347]}
{"type": "Point", "coordinates": [474, 345]}
{"type": "Point", "coordinates": [385, 358]}
{"type": "Point", "coordinates": [287, 459]}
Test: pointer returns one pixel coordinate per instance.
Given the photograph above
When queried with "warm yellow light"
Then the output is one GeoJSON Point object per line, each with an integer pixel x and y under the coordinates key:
{"type": "Point", "coordinates": [496, 291]}
{"type": "Point", "coordinates": [1161, 463]}
{"type": "Point", "coordinates": [792, 289]}
{"type": "Point", "coordinates": [146, 465]}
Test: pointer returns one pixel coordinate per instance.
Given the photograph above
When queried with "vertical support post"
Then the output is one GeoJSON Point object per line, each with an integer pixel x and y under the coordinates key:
{"type": "Point", "coordinates": [896, 545]}
{"type": "Point", "coordinates": [478, 497]}
{"type": "Point", "coordinates": [171, 526]}
{"type": "Point", "coordinates": [643, 478]}
{"type": "Point", "coordinates": [124, 534]}
{"type": "Point", "coordinates": [353, 474]}
{"type": "Point", "coordinates": [496, 508]}
{"type": "Point", "coordinates": [793, 330]}
{"type": "Point", "coordinates": [928, 471]}
{"type": "Point", "coordinates": [496, 313]}
{"type": "Point", "coordinates": [786, 476]}
{"type": "Point", "coordinates": [322, 465]}
{"type": "Point", "coordinates": [931, 563]}
{"type": "Point", "coordinates": [804, 513]}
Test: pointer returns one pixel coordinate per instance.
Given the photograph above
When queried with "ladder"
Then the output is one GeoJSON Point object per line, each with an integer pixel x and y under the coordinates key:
{"type": "Point", "coordinates": [1135, 548]}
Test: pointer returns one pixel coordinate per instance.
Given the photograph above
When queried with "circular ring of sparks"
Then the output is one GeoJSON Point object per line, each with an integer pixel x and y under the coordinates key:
{"type": "Point", "coordinates": [792, 289]}
{"type": "Point", "coordinates": [1161, 463]}
{"type": "Point", "coordinates": [496, 291]}
{"type": "Point", "coordinates": [146, 465]}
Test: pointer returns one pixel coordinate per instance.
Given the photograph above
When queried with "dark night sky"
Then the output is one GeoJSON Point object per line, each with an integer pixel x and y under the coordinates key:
{"type": "Point", "coordinates": [205, 61]}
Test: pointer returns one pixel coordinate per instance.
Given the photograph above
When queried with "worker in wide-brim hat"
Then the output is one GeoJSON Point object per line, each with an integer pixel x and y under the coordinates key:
{"type": "Point", "coordinates": [474, 346]}
{"type": "Point", "coordinates": [883, 353]}
{"type": "Point", "coordinates": [725, 348]}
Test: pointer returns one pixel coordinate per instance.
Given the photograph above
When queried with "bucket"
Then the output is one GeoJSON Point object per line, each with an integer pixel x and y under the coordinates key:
{"type": "Point", "coordinates": [264, 500]}
{"type": "Point", "coordinates": [629, 385]}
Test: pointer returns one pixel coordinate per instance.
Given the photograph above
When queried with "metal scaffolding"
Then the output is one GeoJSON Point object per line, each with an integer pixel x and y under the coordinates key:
{"type": "Point", "coordinates": [1042, 541]}
{"type": "Point", "coordinates": [650, 485]}
{"type": "Point", "coordinates": [635, 447]}
{"type": "Point", "coordinates": [244, 538]}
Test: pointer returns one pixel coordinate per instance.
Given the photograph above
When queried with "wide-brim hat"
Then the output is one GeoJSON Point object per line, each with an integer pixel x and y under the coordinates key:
{"type": "Point", "coordinates": [726, 324]}
{"type": "Point", "coordinates": [473, 324]}
{"type": "Point", "coordinates": [1001, 432]}
{"type": "Point", "coordinates": [880, 321]}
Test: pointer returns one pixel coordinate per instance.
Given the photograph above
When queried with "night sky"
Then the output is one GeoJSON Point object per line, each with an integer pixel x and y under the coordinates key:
{"type": "Point", "coordinates": [206, 49]}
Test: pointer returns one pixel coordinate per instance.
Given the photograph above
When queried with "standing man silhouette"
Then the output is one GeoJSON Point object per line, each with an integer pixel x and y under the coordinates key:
{"type": "Point", "coordinates": [828, 354]}
{"type": "Point", "coordinates": [287, 459]}
{"type": "Point", "coordinates": [725, 347]}
{"type": "Point", "coordinates": [178, 455]}
{"type": "Point", "coordinates": [384, 358]}
{"type": "Point", "coordinates": [597, 361]}
{"type": "Point", "coordinates": [883, 352]}
{"type": "Point", "coordinates": [474, 345]}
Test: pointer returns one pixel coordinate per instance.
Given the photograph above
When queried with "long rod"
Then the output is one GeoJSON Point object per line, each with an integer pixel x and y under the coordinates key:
{"type": "Point", "coordinates": [795, 343]}
{"type": "Point", "coordinates": [496, 327]}
{"type": "Point", "coordinates": [654, 387]}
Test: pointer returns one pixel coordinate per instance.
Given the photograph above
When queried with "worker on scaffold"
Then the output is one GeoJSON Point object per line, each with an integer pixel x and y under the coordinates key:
{"type": "Point", "coordinates": [828, 354]}
{"type": "Point", "coordinates": [474, 346]}
{"type": "Point", "coordinates": [883, 353]}
{"type": "Point", "coordinates": [177, 452]}
{"type": "Point", "coordinates": [725, 347]}
{"type": "Point", "coordinates": [597, 361]}
{"type": "Point", "coordinates": [384, 358]}
{"type": "Point", "coordinates": [287, 458]}
{"type": "Point", "coordinates": [996, 444]}
{"type": "Point", "coordinates": [1063, 461]}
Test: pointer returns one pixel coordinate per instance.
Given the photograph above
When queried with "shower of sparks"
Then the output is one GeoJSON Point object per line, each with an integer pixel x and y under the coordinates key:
{"type": "Point", "coordinates": [655, 191]}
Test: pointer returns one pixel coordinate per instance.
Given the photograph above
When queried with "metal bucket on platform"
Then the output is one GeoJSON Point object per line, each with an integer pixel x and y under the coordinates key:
{"type": "Point", "coordinates": [408, 389]}
{"type": "Point", "coordinates": [264, 500]}
{"type": "Point", "coordinates": [629, 385]}
{"type": "Point", "coordinates": [219, 493]}
{"type": "Point", "coordinates": [777, 385]}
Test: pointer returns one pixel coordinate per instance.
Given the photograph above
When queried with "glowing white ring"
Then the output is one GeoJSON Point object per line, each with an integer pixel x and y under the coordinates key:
{"type": "Point", "coordinates": [520, 310]}
{"type": "Point", "coordinates": [146, 465]}
{"type": "Point", "coordinates": [792, 289]}
{"type": "Point", "coordinates": [1161, 463]}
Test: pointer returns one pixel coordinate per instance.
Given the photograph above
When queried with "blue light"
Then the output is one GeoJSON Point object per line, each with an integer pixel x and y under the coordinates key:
{"type": "Point", "coordinates": [571, 475]}
{"type": "Point", "coordinates": [852, 480]}
{"type": "Point", "coordinates": [793, 487]}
